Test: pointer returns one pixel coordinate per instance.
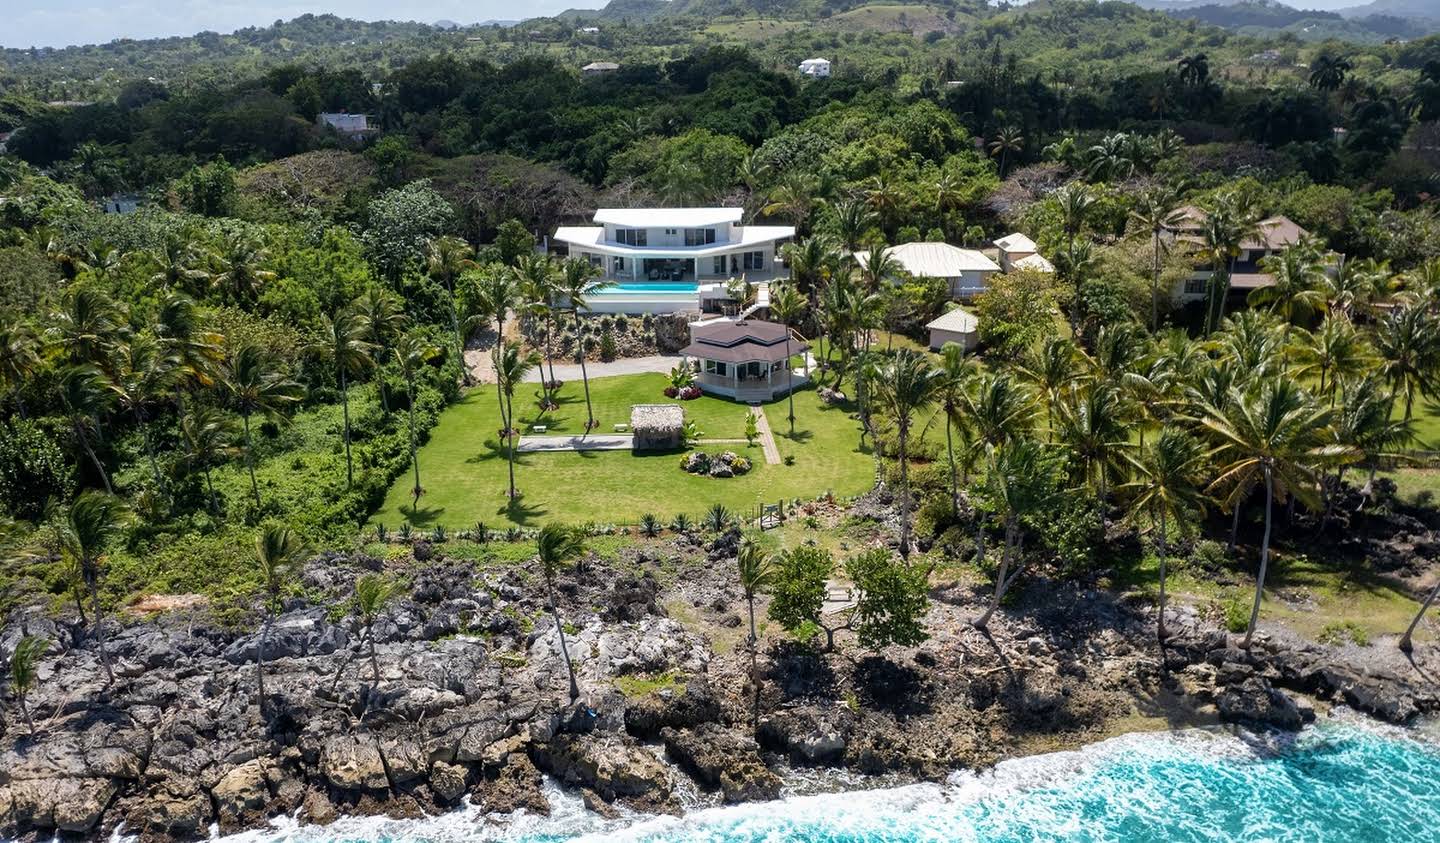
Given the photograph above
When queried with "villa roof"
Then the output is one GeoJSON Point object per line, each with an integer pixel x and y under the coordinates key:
{"type": "Point", "coordinates": [936, 260]}
{"type": "Point", "coordinates": [1035, 263]}
{"type": "Point", "coordinates": [592, 238]}
{"type": "Point", "coordinates": [601, 65]}
{"type": "Point", "coordinates": [656, 418]}
{"type": "Point", "coordinates": [741, 341]}
{"type": "Point", "coordinates": [1276, 232]}
{"type": "Point", "coordinates": [1016, 242]}
{"type": "Point", "coordinates": [958, 320]}
{"type": "Point", "coordinates": [667, 217]}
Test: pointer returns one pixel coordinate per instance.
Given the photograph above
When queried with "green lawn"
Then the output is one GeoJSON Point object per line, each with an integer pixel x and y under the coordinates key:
{"type": "Point", "coordinates": [463, 467]}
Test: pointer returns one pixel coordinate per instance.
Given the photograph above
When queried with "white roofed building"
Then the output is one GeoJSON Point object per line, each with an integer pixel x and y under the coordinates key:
{"type": "Point", "coordinates": [1020, 252]}
{"type": "Point", "coordinates": [966, 270]}
{"type": "Point", "coordinates": [673, 251]}
{"type": "Point", "coordinates": [956, 325]}
{"type": "Point", "coordinates": [815, 68]}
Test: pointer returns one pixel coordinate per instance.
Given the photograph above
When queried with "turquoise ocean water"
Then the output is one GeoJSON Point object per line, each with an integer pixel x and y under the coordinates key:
{"type": "Point", "coordinates": [1339, 782]}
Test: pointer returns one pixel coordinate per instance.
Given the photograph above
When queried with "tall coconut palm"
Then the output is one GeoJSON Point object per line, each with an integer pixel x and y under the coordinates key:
{"type": "Point", "coordinates": [1328, 72]}
{"type": "Point", "coordinates": [253, 383]}
{"type": "Point", "coordinates": [1406, 642]}
{"type": "Point", "coordinates": [1407, 340]}
{"type": "Point", "coordinates": [956, 373]}
{"type": "Point", "coordinates": [756, 568]}
{"type": "Point", "coordinates": [1074, 201]}
{"type": "Point", "coordinates": [792, 198]}
{"type": "Point", "coordinates": [1092, 425]}
{"type": "Point", "coordinates": [238, 267]}
{"type": "Point", "coordinates": [786, 305]}
{"type": "Point", "coordinates": [496, 295]}
{"type": "Point", "coordinates": [343, 342]}
{"type": "Point", "coordinates": [197, 349]}
{"type": "Point", "coordinates": [1223, 232]}
{"type": "Point", "coordinates": [1335, 352]}
{"type": "Point", "coordinates": [209, 435]}
{"type": "Point", "coordinates": [279, 553]}
{"type": "Point", "coordinates": [372, 593]}
{"type": "Point", "coordinates": [19, 357]}
{"type": "Point", "coordinates": [1165, 490]}
{"type": "Point", "coordinates": [1007, 141]}
{"type": "Point", "coordinates": [812, 261]}
{"type": "Point", "coordinates": [1194, 70]}
{"type": "Point", "coordinates": [539, 284]}
{"type": "Point", "coordinates": [1296, 294]}
{"type": "Point", "coordinates": [906, 386]}
{"type": "Point", "coordinates": [24, 661]}
{"type": "Point", "coordinates": [88, 527]}
{"type": "Point", "coordinates": [144, 370]}
{"type": "Point", "coordinates": [1271, 436]}
{"type": "Point", "coordinates": [997, 410]}
{"type": "Point", "coordinates": [1022, 481]}
{"type": "Point", "coordinates": [577, 281]}
{"type": "Point", "coordinates": [84, 396]}
{"type": "Point", "coordinates": [384, 313]}
{"type": "Point", "coordinates": [512, 366]}
{"type": "Point", "coordinates": [413, 353]}
{"type": "Point", "coordinates": [175, 263]}
{"type": "Point", "coordinates": [879, 267]}
{"type": "Point", "coordinates": [554, 546]}
{"type": "Point", "coordinates": [445, 259]}
{"type": "Point", "coordinates": [84, 329]}
{"type": "Point", "coordinates": [1052, 369]}
{"type": "Point", "coordinates": [853, 220]}
{"type": "Point", "coordinates": [1364, 422]}
{"type": "Point", "coordinates": [1157, 212]}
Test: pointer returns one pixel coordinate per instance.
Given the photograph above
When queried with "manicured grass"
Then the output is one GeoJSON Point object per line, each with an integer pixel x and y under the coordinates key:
{"type": "Point", "coordinates": [463, 466]}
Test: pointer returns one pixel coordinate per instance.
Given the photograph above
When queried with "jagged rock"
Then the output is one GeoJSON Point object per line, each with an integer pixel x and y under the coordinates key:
{"type": "Point", "coordinates": [1383, 700]}
{"type": "Point", "coordinates": [177, 808]}
{"type": "Point", "coordinates": [594, 803]}
{"type": "Point", "coordinates": [807, 736]}
{"type": "Point", "coordinates": [317, 808]}
{"type": "Point", "coordinates": [62, 804]}
{"type": "Point", "coordinates": [722, 759]}
{"type": "Point", "coordinates": [448, 781]}
{"type": "Point", "coordinates": [1255, 701]}
{"type": "Point", "coordinates": [241, 790]}
{"type": "Point", "coordinates": [607, 764]}
{"type": "Point", "coordinates": [351, 763]}
{"type": "Point", "coordinates": [515, 786]}
{"type": "Point", "coordinates": [696, 704]}
{"type": "Point", "coordinates": [404, 761]}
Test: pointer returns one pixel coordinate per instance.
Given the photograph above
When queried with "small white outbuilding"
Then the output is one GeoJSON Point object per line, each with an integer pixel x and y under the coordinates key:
{"type": "Point", "coordinates": [815, 68]}
{"type": "Point", "coordinates": [956, 325]}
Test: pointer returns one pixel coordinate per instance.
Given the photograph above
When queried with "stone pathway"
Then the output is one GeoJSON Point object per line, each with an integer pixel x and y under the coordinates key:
{"type": "Point", "coordinates": [593, 442]}
{"type": "Point", "coordinates": [767, 439]}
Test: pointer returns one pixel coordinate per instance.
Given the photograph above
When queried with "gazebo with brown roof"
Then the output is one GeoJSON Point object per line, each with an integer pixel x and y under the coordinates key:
{"type": "Point", "coordinates": [747, 360]}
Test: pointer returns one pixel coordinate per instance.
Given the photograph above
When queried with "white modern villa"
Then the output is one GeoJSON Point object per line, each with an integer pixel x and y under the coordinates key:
{"type": "Point", "coordinates": [660, 259]}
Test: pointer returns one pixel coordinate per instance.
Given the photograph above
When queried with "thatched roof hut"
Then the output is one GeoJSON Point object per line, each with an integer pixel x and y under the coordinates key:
{"type": "Point", "coordinates": [657, 426]}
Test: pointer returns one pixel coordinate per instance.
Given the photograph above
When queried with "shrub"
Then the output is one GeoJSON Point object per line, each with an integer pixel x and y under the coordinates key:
{"type": "Point", "coordinates": [607, 346]}
{"type": "Point", "coordinates": [33, 469]}
{"type": "Point", "coordinates": [1236, 612]}
{"type": "Point", "coordinates": [682, 524]}
{"type": "Point", "coordinates": [1209, 555]}
{"type": "Point", "coordinates": [649, 525]}
{"type": "Point", "coordinates": [1340, 633]}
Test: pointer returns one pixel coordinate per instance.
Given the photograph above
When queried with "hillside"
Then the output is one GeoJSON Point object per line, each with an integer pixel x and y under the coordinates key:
{"type": "Point", "coordinates": [1269, 18]}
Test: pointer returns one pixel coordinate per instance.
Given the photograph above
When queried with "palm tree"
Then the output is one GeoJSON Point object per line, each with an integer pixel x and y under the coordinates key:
{"type": "Point", "coordinates": [792, 197]}
{"type": "Point", "coordinates": [238, 267]}
{"type": "Point", "coordinates": [906, 386]}
{"type": "Point", "coordinates": [1406, 644]}
{"type": "Point", "coordinates": [255, 384]}
{"type": "Point", "coordinates": [878, 267]}
{"type": "Point", "coordinates": [956, 372]}
{"type": "Point", "coordinates": [1092, 425]}
{"type": "Point", "coordinates": [1165, 488]}
{"type": "Point", "coordinates": [1195, 70]}
{"type": "Point", "coordinates": [89, 525]}
{"type": "Point", "coordinates": [1051, 369]}
{"type": "Point", "coordinates": [539, 283]}
{"type": "Point", "coordinates": [554, 546]}
{"type": "Point", "coordinates": [343, 343]}
{"type": "Point", "coordinates": [174, 262]}
{"type": "Point", "coordinates": [24, 660]}
{"type": "Point", "coordinates": [279, 553]}
{"type": "Point", "coordinates": [1157, 212]}
{"type": "Point", "coordinates": [497, 295]}
{"type": "Point", "coordinates": [1021, 481]}
{"type": "Point", "coordinates": [1408, 342]}
{"type": "Point", "coordinates": [811, 261]}
{"type": "Point", "coordinates": [1335, 352]}
{"type": "Point", "coordinates": [372, 593]}
{"type": "Point", "coordinates": [756, 569]}
{"type": "Point", "coordinates": [1223, 232]}
{"type": "Point", "coordinates": [144, 371]}
{"type": "Point", "coordinates": [578, 279]}
{"type": "Point", "coordinates": [1364, 423]}
{"type": "Point", "coordinates": [1328, 72]}
{"type": "Point", "coordinates": [1006, 141]}
{"type": "Point", "coordinates": [1271, 435]}
{"type": "Point", "coordinates": [1296, 293]}
{"type": "Point", "coordinates": [85, 328]}
{"type": "Point", "coordinates": [512, 366]}
{"type": "Point", "coordinates": [209, 435]}
{"type": "Point", "coordinates": [853, 219]}
{"type": "Point", "coordinates": [84, 396]}
{"type": "Point", "coordinates": [384, 314]}
{"type": "Point", "coordinates": [413, 352]}
{"type": "Point", "coordinates": [1075, 201]}
{"type": "Point", "coordinates": [19, 357]}
{"type": "Point", "coordinates": [445, 259]}
{"type": "Point", "coordinates": [786, 305]}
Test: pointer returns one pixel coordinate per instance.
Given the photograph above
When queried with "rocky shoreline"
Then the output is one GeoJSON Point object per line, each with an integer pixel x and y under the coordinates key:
{"type": "Point", "coordinates": [471, 699]}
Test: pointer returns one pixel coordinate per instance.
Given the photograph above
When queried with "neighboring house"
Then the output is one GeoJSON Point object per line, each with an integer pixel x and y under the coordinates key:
{"type": "Point", "coordinates": [588, 30]}
{"type": "Point", "coordinates": [597, 68]}
{"type": "Point", "coordinates": [675, 246]}
{"type": "Point", "coordinates": [1276, 234]}
{"type": "Point", "coordinates": [815, 68]}
{"type": "Point", "coordinates": [965, 270]}
{"type": "Point", "coordinates": [956, 325]}
{"type": "Point", "coordinates": [121, 203]}
{"type": "Point", "coordinates": [746, 359]}
{"type": "Point", "coordinates": [352, 126]}
{"type": "Point", "coordinates": [1019, 252]}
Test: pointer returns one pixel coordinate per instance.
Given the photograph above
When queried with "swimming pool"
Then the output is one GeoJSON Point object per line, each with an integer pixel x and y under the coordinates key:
{"type": "Point", "coordinates": [631, 288]}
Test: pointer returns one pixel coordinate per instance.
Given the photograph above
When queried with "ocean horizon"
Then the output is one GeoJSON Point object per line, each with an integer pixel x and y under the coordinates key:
{"type": "Point", "coordinates": [1346, 779]}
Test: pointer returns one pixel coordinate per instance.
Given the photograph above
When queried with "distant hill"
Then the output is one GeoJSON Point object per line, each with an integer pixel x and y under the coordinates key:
{"type": "Point", "coordinates": [650, 10]}
{"type": "Point", "coordinates": [1378, 22]}
{"type": "Point", "coordinates": [1422, 9]}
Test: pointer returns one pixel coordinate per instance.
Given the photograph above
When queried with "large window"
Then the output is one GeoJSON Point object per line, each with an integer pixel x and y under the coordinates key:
{"type": "Point", "coordinates": [630, 236]}
{"type": "Point", "coordinates": [754, 260]}
{"type": "Point", "coordinates": [715, 367]}
{"type": "Point", "coordinates": [617, 265]}
{"type": "Point", "coordinates": [699, 236]}
{"type": "Point", "coordinates": [717, 264]}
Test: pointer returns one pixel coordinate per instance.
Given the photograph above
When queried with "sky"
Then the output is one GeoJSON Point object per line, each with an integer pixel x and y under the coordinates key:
{"type": "Point", "coordinates": [60, 23]}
